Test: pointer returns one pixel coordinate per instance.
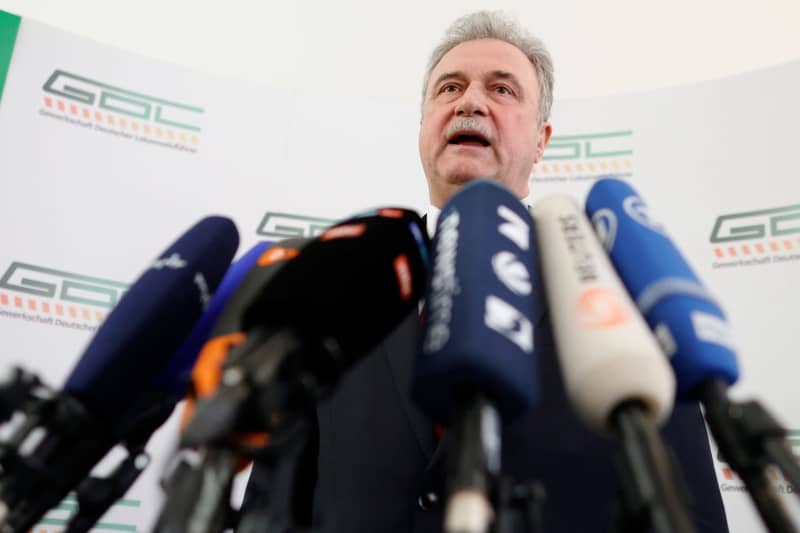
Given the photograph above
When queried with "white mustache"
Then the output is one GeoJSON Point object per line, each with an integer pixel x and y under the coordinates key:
{"type": "Point", "coordinates": [468, 124]}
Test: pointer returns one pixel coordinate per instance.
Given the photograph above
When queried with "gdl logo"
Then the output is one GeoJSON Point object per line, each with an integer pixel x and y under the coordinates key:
{"type": "Point", "coordinates": [91, 103]}
{"type": "Point", "coordinates": [32, 288]}
{"type": "Point", "coordinates": [286, 226]}
{"type": "Point", "coordinates": [757, 232]}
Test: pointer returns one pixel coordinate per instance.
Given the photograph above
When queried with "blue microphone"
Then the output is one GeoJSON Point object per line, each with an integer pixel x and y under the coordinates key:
{"type": "Point", "coordinates": [169, 386]}
{"type": "Point", "coordinates": [476, 361]}
{"type": "Point", "coordinates": [107, 398]}
{"type": "Point", "coordinates": [693, 331]}
{"type": "Point", "coordinates": [686, 319]}
{"type": "Point", "coordinates": [151, 321]}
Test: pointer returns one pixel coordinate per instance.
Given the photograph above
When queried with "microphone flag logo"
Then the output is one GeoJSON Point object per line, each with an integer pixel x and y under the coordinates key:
{"type": "Point", "coordinates": [514, 227]}
{"type": "Point", "coordinates": [512, 273]}
{"type": "Point", "coordinates": [600, 307]}
{"type": "Point", "coordinates": [345, 231]}
{"type": "Point", "coordinates": [640, 212]}
{"type": "Point", "coordinates": [605, 225]}
{"type": "Point", "coordinates": [173, 262]}
{"type": "Point", "coordinates": [505, 319]}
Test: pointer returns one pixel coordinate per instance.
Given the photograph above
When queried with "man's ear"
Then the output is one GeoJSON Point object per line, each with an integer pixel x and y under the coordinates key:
{"type": "Point", "coordinates": [545, 130]}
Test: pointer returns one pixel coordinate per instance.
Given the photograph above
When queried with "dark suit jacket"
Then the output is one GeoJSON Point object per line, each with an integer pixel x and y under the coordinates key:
{"type": "Point", "coordinates": [379, 461]}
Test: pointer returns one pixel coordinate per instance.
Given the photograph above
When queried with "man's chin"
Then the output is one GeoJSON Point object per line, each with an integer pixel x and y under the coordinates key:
{"type": "Point", "coordinates": [461, 176]}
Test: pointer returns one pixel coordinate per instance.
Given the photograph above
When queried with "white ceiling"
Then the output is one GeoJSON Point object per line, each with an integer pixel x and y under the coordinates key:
{"type": "Point", "coordinates": [380, 48]}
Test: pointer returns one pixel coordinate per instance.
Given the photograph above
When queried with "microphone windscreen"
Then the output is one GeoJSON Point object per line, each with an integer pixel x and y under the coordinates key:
{"type": "Point", "coordinates": [177, 373]}
{"type": "Point", "coordinates": [229, 330]}
{"type": "Point", "coordinates": [686, 319]}
{"type": "Point", "coordinates": [152, 319]}
{"type": "Point", "coordinates": [482, 305]}
{"type": "Point", "coordinates": [351, 285]}
{"type": "Point", "coordinates": [606, 351]}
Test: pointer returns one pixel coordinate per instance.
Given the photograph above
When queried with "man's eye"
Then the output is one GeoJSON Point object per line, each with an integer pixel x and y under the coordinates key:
{"type": "Point", "coordinates": [449, 88]}
{"type": "Point", "coordinates": [502, 89]}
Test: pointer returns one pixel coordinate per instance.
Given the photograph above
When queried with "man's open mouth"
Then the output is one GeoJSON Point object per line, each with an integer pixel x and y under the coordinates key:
{"type": "Point", "coordinates": [468, 139]}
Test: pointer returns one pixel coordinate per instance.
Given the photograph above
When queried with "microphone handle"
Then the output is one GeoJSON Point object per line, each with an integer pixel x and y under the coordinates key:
{"type": "Point", "coordinates": [474, 465]}
{"type": "Point", "coordinates": [198, 495]}
{"type": "Point", "coordinates": [46, 457]}
{"type": "Point", "coordinates": [651, 494]}
{"type": "Point", "coordinates": [743, 432]}
{"type": "Point", "coordinates": [97, 495]}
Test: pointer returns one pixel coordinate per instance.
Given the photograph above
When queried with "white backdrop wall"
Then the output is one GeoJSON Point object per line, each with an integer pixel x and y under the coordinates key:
{"type": "Point", "coordinates": [91, 192]}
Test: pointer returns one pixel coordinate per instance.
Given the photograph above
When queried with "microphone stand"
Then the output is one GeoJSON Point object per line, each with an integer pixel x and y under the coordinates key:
{"type": "Point", "coordinates": [96, 495]}
{"type": "Point", "coordinates": [271, 385]}
{"type": "Point", "coordinates": [491, 501]}
{"type": "Point", "coordinates": [198, 492]}
{"type": "Point", "coordinates": [750, 439]}
{"type": "Point", "coordinates": [274, 507]}
{"type": "Point", "coordinates": [519, 507]}
{"type": "Point", "coordinates": [650, 495]}
{"type": "Point", "coordinates": [54, 440]}
{"type": "Point", "coordinates": [473, 465]}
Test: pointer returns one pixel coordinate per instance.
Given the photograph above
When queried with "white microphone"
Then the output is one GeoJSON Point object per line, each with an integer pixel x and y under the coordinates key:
{"type": "Point", "coordinates": [606, 351]}
{"type": "Point", "coordinates": [615, 375]}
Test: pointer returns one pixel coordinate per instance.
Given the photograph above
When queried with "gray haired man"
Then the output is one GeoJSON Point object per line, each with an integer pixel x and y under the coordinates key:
{"type": "Point", "coordinates": [377, 462]}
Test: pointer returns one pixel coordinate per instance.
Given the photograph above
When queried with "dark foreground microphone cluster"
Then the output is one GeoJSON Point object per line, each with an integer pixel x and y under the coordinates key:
{"type": "Point", "coordinates": [116, 393]}
{"type": "Point", "coordinates": [305, 314]}
{"type": "Point", "coordinates": [288, 320]}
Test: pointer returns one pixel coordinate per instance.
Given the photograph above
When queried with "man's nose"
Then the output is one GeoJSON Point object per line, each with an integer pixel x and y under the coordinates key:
{"type": "Point", "coordinates": [472, 102]}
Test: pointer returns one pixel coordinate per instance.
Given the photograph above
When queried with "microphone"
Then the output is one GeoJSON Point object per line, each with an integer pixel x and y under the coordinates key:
{"type": "Point", "coordinates": [313, 319]}
{"type": "Point", "coordinates": [60, 436]}
{"type": "Point", "coordinates": [685, 317]}
{"type": "Point", "coordinates": [693, 331]}
{"type": "Point", "coordinates": [476, 362]}
{"type": "Point", "coordinates": [198, 482]}
{"type": "Point", "coordinates": [177, 374]}
{"type": "Point", "coordinates": [344, 292]}
{"type": "Point", "coordinates": [615, 376]}
{"type": "Point", "coordinates": [96, 495]}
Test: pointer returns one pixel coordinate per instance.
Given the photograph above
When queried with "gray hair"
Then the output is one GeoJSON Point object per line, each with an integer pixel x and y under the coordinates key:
{"type": "Point", "coordinates": [495, 25]}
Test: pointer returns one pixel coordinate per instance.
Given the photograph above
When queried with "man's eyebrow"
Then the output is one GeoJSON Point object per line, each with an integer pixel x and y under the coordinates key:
{"type": "Point", "coordinates": [494, 74]}
{"type": "Point", "coordinates": [505, 75]}
{"type": "Point", "coordinates": [454, 75]}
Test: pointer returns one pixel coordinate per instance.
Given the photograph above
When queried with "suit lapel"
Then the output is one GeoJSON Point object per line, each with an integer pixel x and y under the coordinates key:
{"type": "Point", "coordinates": [400, 350]}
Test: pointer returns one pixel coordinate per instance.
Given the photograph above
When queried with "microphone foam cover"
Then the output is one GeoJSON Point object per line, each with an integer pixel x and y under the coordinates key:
{"type": "Point", "coordinates": [351, 285]}
{"type": "Point", "coordinates": [152, 319]}
{"type": "Point", "coordinates": [175, 376]}
{"type": "Point", "coordinates": [687, 320]}
{"type": "Point", "coordinates": [482, 305]}
{"type": "Point", "coordinates": [606, 351]}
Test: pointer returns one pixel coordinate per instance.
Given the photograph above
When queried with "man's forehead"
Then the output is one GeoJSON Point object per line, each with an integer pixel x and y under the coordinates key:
{"type": "Point", "coordinates": [484, 57]}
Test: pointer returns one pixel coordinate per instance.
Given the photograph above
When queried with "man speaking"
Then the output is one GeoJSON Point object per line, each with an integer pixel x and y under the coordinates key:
{"type": "Point", "coordinates": [381, 468]}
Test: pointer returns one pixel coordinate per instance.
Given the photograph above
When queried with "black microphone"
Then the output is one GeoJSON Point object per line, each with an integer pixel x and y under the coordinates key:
{"type": "Point", "coordinates": [344, 292]}
{"type": "Point", "coordinates": [59, 437]}
{"type": "Point", "coordinates": [198, 482]}
{"type": "Point", "coordinates": [476, 362]}
{"type": "Point", "coordinates": [320, 313]}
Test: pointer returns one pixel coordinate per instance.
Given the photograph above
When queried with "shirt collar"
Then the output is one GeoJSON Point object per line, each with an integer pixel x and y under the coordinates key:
{"type": "Point", "coordinates": [432, 216]}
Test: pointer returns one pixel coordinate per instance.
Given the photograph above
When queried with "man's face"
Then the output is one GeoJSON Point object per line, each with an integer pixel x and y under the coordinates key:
{"type": "Point", "coordinates": [479, 119]}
